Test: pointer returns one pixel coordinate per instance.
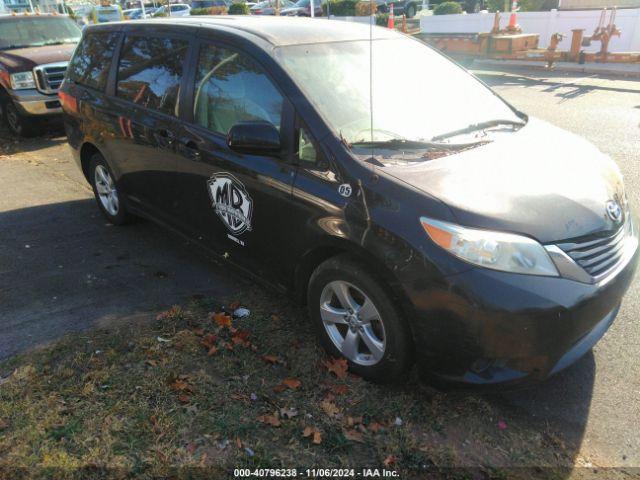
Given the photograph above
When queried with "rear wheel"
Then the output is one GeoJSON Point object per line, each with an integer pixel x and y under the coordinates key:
{"type": "Point", "coordinates": [356, 319]}
{"type": "Point", "coordinates": [106, 191]}
{"type": "Point", "coordinates": [18, 124]}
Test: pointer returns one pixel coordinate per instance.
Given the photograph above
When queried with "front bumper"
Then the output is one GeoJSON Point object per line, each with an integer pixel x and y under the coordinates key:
{"type": "Point", "coordinates": [31, 102]}
{"type": "Point", "coordinates": [487, 327]}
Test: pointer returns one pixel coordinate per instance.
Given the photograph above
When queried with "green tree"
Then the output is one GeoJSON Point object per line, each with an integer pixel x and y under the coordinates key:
{"type": "Point", "coordinates": [447, 8]}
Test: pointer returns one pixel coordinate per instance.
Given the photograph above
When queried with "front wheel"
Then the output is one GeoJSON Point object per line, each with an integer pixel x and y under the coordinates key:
{"type": "Point", "coordinates": [356, 319]}
{"type": "Point", "coordinates": [18, 124]}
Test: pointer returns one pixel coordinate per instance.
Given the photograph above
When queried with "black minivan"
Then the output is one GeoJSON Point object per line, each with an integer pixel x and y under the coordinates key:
{"type": "Point", "coordinates": [451, 228]}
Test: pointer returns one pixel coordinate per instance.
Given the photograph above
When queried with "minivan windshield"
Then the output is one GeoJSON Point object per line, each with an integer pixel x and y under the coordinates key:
{"type": "Point", "coordinates": [22, 32]}
{"type": "Point", "coordinates": [416, 93]}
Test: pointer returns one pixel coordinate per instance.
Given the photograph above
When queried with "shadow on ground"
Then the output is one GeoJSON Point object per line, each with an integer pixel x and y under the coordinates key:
{"type": "Point", "coordinates": [565, 90]}
{"type": "Point", "coordinates": [64, 268]}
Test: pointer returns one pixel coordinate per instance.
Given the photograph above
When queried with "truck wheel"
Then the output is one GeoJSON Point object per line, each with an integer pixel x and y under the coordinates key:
{"type": "Point", "coordinates": [18, 124]}
{"type": "Point", "coordinates": [109, 198]}
{"type": "Point", "coordinates": [355, 318]}
{"type": "Point", "coordinates": [411, 10]}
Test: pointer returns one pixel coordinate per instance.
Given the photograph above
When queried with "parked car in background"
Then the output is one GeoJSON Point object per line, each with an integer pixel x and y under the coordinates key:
{"type": "Point", "coordinates": [106, 14]}
{"type": "Point", "coordinates": [135, 13]}
{"type": "Point", "coordinates": [302, 8]}
{"type": "Point", "coordinates": [174, 10]}
{"type": "Point", "coordinates": [493, 246]}
{"type": "Point", "coordinates": [210, 3]}
{"type": "Point", "coordinates": [268, 7]}
{"type": "Point", "coordinates": [34, 52]}
{"type": "Point", "coordinates": [406, 7]}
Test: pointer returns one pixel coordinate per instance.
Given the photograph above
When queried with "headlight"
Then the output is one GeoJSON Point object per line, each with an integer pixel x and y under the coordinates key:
{"type": "Point", "coordinates": [22, 81]}
{"type": "Point", "coordinates": [497, 250]}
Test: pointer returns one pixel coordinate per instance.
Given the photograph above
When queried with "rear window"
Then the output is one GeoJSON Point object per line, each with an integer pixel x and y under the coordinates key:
{"type": "Point", "coordinates": [91, 62]}
{"type": "Point", "coordinates": [150, 72]}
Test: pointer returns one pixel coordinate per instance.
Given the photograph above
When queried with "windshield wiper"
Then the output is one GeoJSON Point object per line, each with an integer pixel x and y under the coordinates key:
{"type": "Point", "coordinates": [399, 143]}
{"type": "Point", "coordinates": [478, 126]}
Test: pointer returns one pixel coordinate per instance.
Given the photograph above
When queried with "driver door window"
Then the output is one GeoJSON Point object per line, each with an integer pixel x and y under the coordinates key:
{"type": "Point", "coordinates": [232, 88]}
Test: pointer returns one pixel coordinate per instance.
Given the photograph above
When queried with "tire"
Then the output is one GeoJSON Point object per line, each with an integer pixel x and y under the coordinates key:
{"type": "Point", "coordinates": [17, 123]}
{"type": "Point", "coordinates": [105, 189]}
{"type": "Point", "coordinates": [379, 323]}
{"type": "Point", "coordinates": [411, 10]}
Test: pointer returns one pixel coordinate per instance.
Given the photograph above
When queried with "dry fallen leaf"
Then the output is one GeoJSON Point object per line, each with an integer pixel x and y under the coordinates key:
{"type": "Point", "coordinates": [340, 389]}
{"type": "Point", "coordinates": [222, 319]}
{"type": "Point", "coordinates": [174, 311]}
{"type": "Point", "coordinates": [209, 341]}
{"type": "Point", "coordinates": [353, 435]}
{"type": "Point", "coordinates": [375, 427]}
{"type": "Point", "coordinates": [212, 351]}
{"type": "Point", "coordinates": [288, 412]}
{"type": "Point", "coordinates": [184, 398]}
{"type": "Point", "coordinates": [234, 305]}
{"type": "Point", "coordinates": [390, 460]}
{"type": "Point", "coordinates": [198, 331]}
{"type": "Point", "coordinates": [269, 420]}
{"type": "Point", "coordinates": [180, 384]}
{"type": "Point", "coordinates": [279, 388]}
{"type": "Point", "coordinates": [329, 408]}
{"type": "Point", "coordinates": [151, 363]}
{"type": "Point", "coordinates": [314, 433]}
{"type": "Point", "coordinates": [337, 366]}
{"type": "Point", "coordinates": [272, 359]}
{"type": "Point", "coordinates": [292, 383]}
{"type": "Point", "coordinates": [241, 337]}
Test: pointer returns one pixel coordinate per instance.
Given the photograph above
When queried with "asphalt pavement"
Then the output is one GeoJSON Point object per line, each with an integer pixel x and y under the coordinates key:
{"type": "Point", "coordinates": [64, 269]}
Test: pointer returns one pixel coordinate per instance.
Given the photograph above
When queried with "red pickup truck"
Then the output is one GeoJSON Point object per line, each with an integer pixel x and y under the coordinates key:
{"type": "Point", "coordinates": [34, 53]}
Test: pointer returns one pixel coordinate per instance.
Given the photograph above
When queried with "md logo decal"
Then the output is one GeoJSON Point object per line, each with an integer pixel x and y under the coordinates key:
{"type": "Point", "coordinates": [231, 202]}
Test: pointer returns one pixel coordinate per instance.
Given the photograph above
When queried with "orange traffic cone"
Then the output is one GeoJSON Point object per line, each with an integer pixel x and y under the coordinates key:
{"type": "Point", "coordinates": [391, 23]}
{"type": "Point", "coordinates": [513, 22]}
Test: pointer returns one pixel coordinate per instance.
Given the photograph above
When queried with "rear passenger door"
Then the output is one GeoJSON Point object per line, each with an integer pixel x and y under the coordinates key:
{"type": "Point", "coordinates": [148, 92]}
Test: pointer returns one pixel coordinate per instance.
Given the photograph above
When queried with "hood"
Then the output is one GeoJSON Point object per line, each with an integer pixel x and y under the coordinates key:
{"type": "Point", "coordinates": [292, 10]}
{"type": "Point", "coordinates": [23, 59]}
{"type": "Point", "coordinates": [540, 181]}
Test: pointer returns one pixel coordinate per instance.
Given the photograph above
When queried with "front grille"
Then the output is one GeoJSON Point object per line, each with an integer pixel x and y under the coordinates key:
{"type": "Point", "coordinates": [49, 77]}
{"type": "Point", "coordinates": [599, 253]}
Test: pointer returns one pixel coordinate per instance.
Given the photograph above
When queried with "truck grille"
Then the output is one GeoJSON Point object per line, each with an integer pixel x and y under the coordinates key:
{"type": "Point", "coordinates": [599, 253]}
{"type": "Point", "coordinates": [49, 77]}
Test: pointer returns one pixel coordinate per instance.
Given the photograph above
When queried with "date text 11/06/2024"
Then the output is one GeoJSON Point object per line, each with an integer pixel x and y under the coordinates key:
{"type": "Point", "coordinates": [315, 473]}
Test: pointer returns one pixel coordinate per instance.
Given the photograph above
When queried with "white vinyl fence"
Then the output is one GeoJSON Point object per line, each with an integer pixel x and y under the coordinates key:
{"type": "Point", "coordinates": [545, 23]}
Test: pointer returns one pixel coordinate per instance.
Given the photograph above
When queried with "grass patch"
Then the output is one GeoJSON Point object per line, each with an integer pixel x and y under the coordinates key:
{"type": "Point", "coordinates": [194, 395]}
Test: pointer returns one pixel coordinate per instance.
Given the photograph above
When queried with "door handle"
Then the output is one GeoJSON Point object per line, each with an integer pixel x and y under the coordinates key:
{"type": "Point", "coordinates": [190, 149]}
{"type": "Point", "coordinates": [167, 137]}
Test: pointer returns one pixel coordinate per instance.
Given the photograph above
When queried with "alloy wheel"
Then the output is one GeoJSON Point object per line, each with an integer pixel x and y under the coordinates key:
{"type": "Point", "coordinates": [107, 192]}
{"type": "Point", "coordinates": [353, 323]}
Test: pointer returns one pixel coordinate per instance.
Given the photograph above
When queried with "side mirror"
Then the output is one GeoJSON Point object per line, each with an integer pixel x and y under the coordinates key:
{"type": "Point", "coordinates": [257, 138]}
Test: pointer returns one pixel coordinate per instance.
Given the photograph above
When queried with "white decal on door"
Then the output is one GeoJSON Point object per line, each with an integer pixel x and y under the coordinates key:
{"type": "Point", "coordinates": [231, 202]}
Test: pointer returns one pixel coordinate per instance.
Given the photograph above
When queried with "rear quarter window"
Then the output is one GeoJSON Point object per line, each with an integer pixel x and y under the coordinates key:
{"type": "Point", "coordinates": [92, 59]}
{"type": "Point", "coordinates": [150, 72]}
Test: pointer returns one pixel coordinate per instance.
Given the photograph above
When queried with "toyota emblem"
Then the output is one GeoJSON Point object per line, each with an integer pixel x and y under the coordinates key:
{"type": "Point", "coordinates": [614, 211]}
